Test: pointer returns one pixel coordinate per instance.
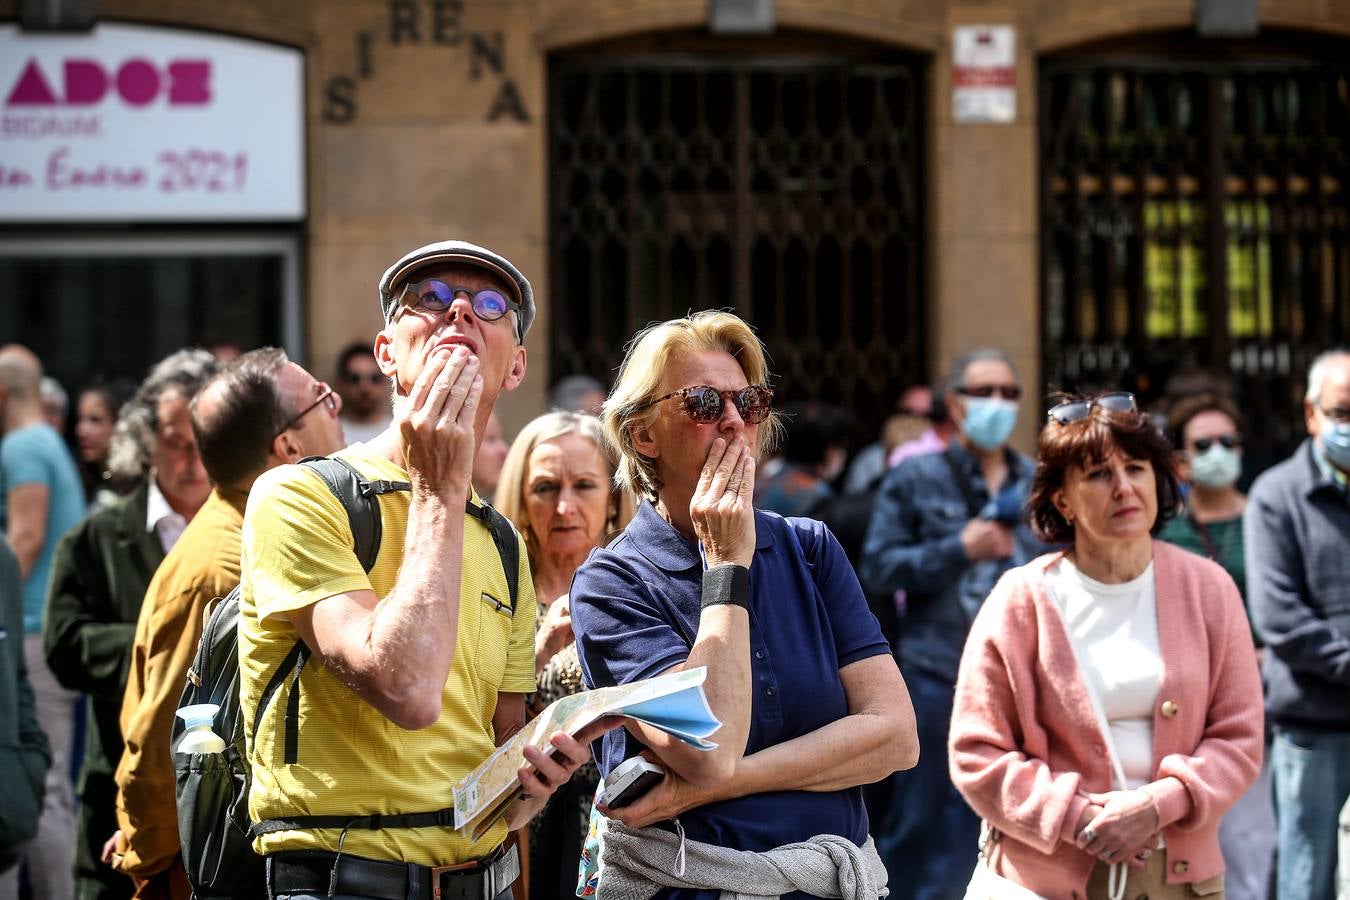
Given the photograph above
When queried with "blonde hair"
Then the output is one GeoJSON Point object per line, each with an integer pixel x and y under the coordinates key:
{"type": "Point", "coordinates": [510, 499]}
{"type": "Point", "coordinates": [631, 406]}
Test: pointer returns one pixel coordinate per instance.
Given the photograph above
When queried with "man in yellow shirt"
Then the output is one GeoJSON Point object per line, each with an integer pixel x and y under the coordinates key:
{"type": "Point", "coordinates": [259, 412]}
{"type": "Point", "coordinates": [421, 665]}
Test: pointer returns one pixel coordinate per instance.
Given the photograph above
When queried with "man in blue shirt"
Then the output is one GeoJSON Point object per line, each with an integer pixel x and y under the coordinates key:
{"type": "Point", "coordinates": [1296, 534]}
{"type": "Point", "coordinates": [41, 498]}
{"type": "Point", "coordinates": [945, 527]}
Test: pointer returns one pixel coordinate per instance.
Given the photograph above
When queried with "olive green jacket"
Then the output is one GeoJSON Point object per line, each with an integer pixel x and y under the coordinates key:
{"type": "Point", "coordinates": [99, 576]}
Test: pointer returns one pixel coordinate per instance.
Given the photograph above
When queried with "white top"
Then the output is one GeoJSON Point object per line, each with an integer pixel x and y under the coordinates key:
{"type": "Point", "coordinates": [160, 518]}
{"type": "Point", "coordinates": [362, 432]}
{"type": "Point", "coordinates": [1114, 632]}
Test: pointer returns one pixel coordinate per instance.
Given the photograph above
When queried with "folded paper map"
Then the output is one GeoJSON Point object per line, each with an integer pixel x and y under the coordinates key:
{"type": "Point", "coordinates": [674, 703]}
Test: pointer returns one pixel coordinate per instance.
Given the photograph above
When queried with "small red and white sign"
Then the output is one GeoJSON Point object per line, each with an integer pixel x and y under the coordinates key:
{"type": "Point", "coordinates": [137, 123]}
{"type": "Point", "coordinates": [984, 79]}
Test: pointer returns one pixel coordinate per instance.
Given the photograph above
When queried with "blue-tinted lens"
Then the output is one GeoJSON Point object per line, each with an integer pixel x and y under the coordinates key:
{"type": "Point", "coordinates": [489, 305]}
{"type": "Point", "coordinates": [435, 295]}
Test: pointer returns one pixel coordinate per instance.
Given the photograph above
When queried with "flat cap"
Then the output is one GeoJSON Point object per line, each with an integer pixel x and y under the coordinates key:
{"type": "Point", "coordinates": [460, 252]}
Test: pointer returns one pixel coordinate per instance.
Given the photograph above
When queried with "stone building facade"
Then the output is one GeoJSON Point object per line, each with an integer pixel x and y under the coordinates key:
{"type": "Point", "coordinates": [430, 118]}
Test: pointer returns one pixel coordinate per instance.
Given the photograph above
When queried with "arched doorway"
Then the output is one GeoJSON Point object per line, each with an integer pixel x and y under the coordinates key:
{"type": "Point", "coordinates": [780, 177]}
{"type": "Point", "coordinates": [1194, 217]}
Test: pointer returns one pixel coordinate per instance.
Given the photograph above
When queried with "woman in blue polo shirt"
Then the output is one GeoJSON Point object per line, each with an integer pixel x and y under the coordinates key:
{"type": "Point", "coordinates": [811, 702]}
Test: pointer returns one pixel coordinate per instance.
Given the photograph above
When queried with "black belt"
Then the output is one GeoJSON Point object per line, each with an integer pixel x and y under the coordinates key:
{"type": "Point", "coordinates": [312, 872]}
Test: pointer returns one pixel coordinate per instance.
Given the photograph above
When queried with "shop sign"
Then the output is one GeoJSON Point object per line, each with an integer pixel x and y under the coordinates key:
{"type": "Point", "coordinates": [134, 123]}
{"type": "Point", "coordinates": [984, 80]}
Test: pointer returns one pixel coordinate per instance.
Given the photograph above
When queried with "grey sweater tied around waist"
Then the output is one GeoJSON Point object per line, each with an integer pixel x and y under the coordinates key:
{"type": "Point", "coordinates": [637, 863]}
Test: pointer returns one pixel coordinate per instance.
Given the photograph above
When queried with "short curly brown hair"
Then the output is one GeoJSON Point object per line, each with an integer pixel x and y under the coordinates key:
{"type": "Point", "coordinates": [1088, 441]}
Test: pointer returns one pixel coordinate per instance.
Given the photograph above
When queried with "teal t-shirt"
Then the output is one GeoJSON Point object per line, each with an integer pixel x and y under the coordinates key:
{"type": "Point", "coordinates": [37, 455]}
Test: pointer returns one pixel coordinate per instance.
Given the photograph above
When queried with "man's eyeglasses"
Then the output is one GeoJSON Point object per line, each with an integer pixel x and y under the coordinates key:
{"type": "Point", "coordinates": [436, 296]}
{"type": "Point", "coordinates": [1228, 441]}
{"type": "Point", "coordinates": [1006, 391]}
{"type": "Point", "coordinates": [705, 404]}
{"type": "Point", "coordinates": [371, 378]}
{"type": "Point", "coordinates": [1077, 410]}
{"type": "Point", "coordinates": [327, 399]}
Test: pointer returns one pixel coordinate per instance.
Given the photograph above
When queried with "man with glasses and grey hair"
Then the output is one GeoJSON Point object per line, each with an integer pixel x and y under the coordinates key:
{"type": "Point", "coordinates": [1297, 539]}
{"type": "Point", "coordinates": [945, 527]}
{"type": "Point", "coordinates": [99, 576]}
{"type": "Point", "coordinates": [258, 412]}
{"type": "Point", "coordinates": [421, 662]}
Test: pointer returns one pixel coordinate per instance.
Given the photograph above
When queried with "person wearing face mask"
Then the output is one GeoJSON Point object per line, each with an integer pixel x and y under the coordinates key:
{"type": "Point", "coordinates": [1207, 432]}
{"type": "Point", "coordinates": [1296, 536]}
{"type": "Point", "coordinates": [946, 526]}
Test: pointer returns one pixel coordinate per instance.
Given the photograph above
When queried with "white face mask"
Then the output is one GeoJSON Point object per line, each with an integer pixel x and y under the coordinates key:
{"type": "Point", "coordinates": [1218, 467]}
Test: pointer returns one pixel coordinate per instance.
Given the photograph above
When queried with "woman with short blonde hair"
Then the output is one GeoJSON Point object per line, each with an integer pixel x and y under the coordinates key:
{"type": "Point", "coordinates": [633, 401]}
{"type": "Point", "coordinates": [796, 669]}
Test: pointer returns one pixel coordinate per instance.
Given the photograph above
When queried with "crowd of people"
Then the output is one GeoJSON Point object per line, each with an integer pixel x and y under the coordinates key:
{"type": "Point", "coordinates": [1121, 673]}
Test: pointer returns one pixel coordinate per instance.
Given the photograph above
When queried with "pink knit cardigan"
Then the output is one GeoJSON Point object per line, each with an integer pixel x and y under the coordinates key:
{"type": "Point", "coordinates": [1026, 749]}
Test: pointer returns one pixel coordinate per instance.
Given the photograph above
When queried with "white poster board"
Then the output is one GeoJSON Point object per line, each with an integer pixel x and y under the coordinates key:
{"type": "Point", "coordinates": [134, 123]}
{"type": "Point", "coordinates": [984, 78]}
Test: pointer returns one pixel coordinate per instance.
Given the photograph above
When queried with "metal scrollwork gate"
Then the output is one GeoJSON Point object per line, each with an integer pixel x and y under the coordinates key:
{"type": "Point", "coordinates": [785, 188]}
{"type": "Point", "coordinates": [1194, 215]}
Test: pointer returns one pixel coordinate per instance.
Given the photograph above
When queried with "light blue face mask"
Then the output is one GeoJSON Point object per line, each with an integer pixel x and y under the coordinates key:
{"type": "Point", "coordinates": [1336, 444]}
{"type": "Point", "coordinates": [1218, 467]}
{"type": "Point", "coordinates": [989, 421]}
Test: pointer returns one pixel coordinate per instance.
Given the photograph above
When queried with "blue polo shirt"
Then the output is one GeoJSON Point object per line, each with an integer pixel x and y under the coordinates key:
{"type": "Point", "coordinates": [635, 611]}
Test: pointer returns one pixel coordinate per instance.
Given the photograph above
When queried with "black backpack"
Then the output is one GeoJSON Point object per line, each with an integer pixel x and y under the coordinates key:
{"type": "Point", "coordinates": [212, 788]}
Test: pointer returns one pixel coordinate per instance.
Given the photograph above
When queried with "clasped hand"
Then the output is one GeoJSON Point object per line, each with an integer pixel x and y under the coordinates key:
{"type": "Point", "coordinates": [722, 508]}
{"type": "Point", "coordinates": [1119, 826]}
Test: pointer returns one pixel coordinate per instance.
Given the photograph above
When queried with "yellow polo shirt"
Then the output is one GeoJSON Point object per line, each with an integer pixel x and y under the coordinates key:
{"type": "Point", "coordinates": [297, 550]}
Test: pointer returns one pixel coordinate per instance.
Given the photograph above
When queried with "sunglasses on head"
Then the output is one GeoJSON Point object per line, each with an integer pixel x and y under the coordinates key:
{"type": "Point", "coordinates": [435, 295]}
{"type": "Point", "coordinates": [1006, 391]}
{"type": "Point", "coordinates": [1077, 410]}
{"type": "Point", "coordinates": [1226, 440]}
{"type": "Point", "coordinates": [368, 377]}
{"type": "Point", "coordinates": [705, 404]}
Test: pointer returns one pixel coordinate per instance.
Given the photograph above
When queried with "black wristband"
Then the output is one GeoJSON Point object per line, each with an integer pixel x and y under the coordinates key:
{"type": "Point", "coordinates": [726, 584]}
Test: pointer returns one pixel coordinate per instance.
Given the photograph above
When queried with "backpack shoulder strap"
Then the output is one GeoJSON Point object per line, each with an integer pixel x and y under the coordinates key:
{"type": "Point", "coordinates": [508, 546]}
{"type": "Point", "coordinates": [360, 498]}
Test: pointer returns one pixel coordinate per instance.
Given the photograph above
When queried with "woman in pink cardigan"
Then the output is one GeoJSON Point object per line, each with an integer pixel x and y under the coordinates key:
{"type": "Point", "coordinates": [1108, 708]}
